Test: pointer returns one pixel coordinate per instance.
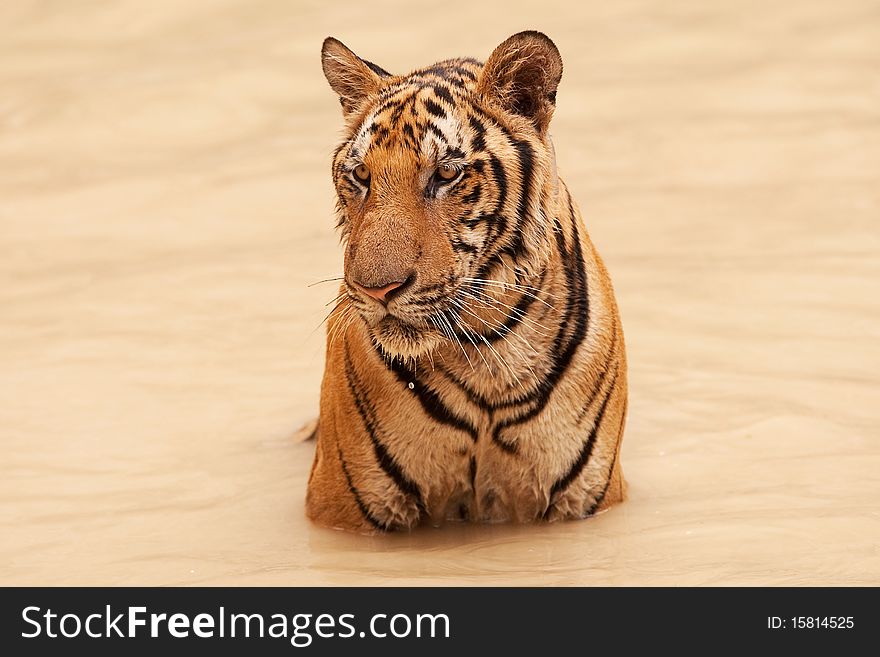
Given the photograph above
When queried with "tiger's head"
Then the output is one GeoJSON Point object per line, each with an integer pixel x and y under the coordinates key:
{"type": "Point", "coordinates": [446, 185]}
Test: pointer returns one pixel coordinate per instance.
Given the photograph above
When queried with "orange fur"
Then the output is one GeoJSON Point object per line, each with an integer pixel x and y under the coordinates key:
{"type": "Point", "coordinates": [491, 384]}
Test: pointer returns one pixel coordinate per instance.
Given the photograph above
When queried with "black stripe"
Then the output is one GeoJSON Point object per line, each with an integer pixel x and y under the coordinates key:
{"type": "Point", "coordinates": [394, 101]}
{"type": "Point", "coordinates": [510, 448]}
{"type": "Point", "coordinates": [595, 505]}
{"type": "Point", "coordinates": [449, 73]}
{"type": "Point", "coordinates": [473, 222]}
{"type": "Point", "coordinates": [433, 287]}
{"type": "Point", "coordinates": [365, 511]}
{"type": "Point", "coordinates": [349, 186]}
{"type": "Point", "coordinates": [428, 398]}
{"type": "Point", "coordinates": [474, 195]}
{"type": "Point", "coordinates": [399, 110]}
{"type": "Point", "coordinates": [578, 306]}
{"type": "Point", "coordinates": [516, 246]}
{"type": "Point", "coordinates": [500, 224]}
{"type": "Point", "coordinates": [586, 451]}
{"type": "Point", "coordinates": [431, 300]}
{"type": "Point", "coordinates": [434, 109]}
{"type": "Point", "coordinates": [380, 134]}
{"type": "Point", "coordinates": [430, 127]}
{"type": "Point", "coordinates": [410, 136]}
{"type": "Point", "coordinates": [378, 70]}
{"type": "Point", "coordinates": [443, 92]}
{"type": "Point", "coordinates": [526, 158]}
{"type": "Point", "coordinates": [460, 246]}
{"type": "Point", "coordinates": [432, 293]}
{"type": "Point", "coordinates": [368, 416]}
{"type": "Point", "coordinates": [559, 233]}
{"type": "Point", "coordinates": [478, 143]}
{"type": "Point", "coordinates": [608, 364]}
{"type": "Point", "coordinates": [526, 166]}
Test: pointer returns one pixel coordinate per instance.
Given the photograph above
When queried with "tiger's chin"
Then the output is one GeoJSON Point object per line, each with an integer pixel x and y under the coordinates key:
{"type": "Point", "coordinates": [401, 339]}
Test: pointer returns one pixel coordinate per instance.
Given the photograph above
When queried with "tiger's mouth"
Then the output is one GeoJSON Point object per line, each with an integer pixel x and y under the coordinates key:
{"type": "Point", "coordinates": [403, 326]}
{"type": "Point", "coordinates": [399, 337]}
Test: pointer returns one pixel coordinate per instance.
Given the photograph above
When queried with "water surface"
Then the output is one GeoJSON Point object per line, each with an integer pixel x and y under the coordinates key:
{"type": "Point", "coordinates": [165, 200]}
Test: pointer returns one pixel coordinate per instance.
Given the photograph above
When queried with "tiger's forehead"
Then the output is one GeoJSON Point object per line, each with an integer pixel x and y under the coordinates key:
{"type": "Point", "coordinates": [420, 113]}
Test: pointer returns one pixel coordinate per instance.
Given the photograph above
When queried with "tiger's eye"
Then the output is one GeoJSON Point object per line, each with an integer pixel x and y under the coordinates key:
{"type": "Point", "coordinates": [362, 173]}
{"type": "Point", "coordinates": [446, 172]}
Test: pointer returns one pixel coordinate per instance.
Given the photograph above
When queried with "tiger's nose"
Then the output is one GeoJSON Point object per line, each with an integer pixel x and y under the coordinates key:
{"type": "Point", "coordinates": [383, 293]}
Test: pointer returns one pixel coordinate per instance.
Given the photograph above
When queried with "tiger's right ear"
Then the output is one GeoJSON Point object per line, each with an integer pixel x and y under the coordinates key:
{"type": "Point", "coordinates": [352, 78]}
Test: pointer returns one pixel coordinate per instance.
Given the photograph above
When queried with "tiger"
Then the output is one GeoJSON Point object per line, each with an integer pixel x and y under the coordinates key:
{"type": "Point", "coordinates": [475, 367]}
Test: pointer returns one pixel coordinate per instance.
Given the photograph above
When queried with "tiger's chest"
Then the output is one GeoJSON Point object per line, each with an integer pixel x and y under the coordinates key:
{"type": "Point", "coordinates": [473, 461]}
{"type": "Point", "coordinates": [436, 441]}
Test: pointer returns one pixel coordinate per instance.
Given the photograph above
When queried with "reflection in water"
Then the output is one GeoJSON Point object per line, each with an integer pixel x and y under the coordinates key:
{"type": "Point", "coordinates": [166, 201]}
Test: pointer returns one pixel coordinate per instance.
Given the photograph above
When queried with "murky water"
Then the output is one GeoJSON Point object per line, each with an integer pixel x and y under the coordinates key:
{"type": "Point", "coordinates": [165, 201]}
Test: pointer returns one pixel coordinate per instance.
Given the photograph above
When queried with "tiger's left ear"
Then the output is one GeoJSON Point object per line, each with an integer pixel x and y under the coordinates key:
{"type": "Point", "coordinates": [352, 78]}
{"type": "Point", "coordinates": [521, 76]}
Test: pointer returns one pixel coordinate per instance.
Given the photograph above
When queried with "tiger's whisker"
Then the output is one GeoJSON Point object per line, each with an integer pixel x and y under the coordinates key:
{"type": "Point", "coordinates": [523, 289]}
{"type": "Point", "coordinates": [452, 333]}
{"type": "Point", "coordinates": [339, 297]}
{"type": "Point", "coordinates": [511, 345]}
{"type": "Point", "coordinates": [492, 349]}
{"type": "Point", "coordinates": [542, 330]}
{"type": "Point", "coordinates": [467, 335]}
{"type": "Point", "coordinates": [326, 280]}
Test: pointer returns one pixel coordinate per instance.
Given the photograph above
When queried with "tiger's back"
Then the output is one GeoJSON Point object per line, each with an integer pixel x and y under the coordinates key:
{"type": "Point", "coordinates": [475, 365]}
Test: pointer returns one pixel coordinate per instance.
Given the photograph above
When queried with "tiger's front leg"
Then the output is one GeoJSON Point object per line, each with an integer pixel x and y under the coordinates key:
{"type": "Point", "coordinates": [346, 489]}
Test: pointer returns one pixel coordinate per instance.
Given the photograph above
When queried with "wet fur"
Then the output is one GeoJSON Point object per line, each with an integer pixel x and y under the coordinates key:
{"type": "Point", "coordinates": [493, 388]}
